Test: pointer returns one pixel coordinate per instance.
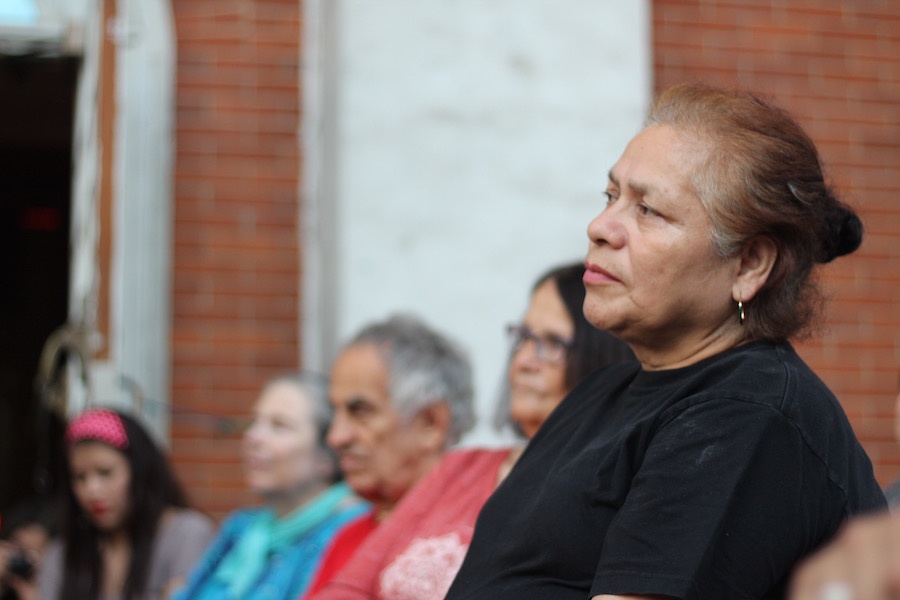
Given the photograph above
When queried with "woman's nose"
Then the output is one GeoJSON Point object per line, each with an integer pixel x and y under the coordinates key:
{"type": "Point", "coordinates": [252, 434]}
{"type": "Point", "coordinates": [525, 357]}
{"type": "Point", "coordinates": [606, 228]}
{"type": "Point", "coordinates": [93, 486]}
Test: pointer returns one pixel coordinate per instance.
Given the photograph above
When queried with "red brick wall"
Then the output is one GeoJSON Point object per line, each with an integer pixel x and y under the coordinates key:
{"type": "Point", "coordinates": [236, 256]}
{"type": "Point", "coordinates": [836, 66]}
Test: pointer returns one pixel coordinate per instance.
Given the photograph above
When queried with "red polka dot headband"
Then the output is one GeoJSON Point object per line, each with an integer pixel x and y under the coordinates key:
{"type": "Point", "coordinates": [98, 424]}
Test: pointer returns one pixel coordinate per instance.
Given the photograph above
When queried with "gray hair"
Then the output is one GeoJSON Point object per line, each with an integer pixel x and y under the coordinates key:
{"type": "Point", "coordinates": [425, 367]}
{"type": "Point", "coordinates": [314, 387]}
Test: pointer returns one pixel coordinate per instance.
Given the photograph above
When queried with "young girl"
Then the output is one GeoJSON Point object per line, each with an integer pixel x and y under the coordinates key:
{"type": "Point", "coordinates": [126, 530]}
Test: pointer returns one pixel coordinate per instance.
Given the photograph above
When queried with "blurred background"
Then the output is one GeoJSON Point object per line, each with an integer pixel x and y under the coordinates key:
{"type": "Point", "coordinates": [199, 195]}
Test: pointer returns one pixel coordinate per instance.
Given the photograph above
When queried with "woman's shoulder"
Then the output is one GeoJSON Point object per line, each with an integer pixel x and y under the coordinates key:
{"type": "Point", "coordinates": [763, 382]}
{"type": "Point", "coordinates": [753, 379]}
{"type": "Point", "coordinates": [238, 520]}
{"type": "Point", "coordinates": [182, 525]}
{"type": "Point", "coordinates": [50, 572]}
{"type": "Point", "coordinates": [188, 520]}
{"type": "Point", "coordinates": [758, 373]}
{"type": "Point", "coordinates": [54, 549]}
{"type": "Point", "coordinates": [773, 374]}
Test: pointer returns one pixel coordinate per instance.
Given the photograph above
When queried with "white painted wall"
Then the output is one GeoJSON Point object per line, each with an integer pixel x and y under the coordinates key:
{"type": "Point", "coordinates": [468, 150]}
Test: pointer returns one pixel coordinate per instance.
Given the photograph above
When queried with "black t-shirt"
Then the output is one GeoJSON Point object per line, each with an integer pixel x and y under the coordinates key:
{"type": "Point", "coordinates": [709, 481]}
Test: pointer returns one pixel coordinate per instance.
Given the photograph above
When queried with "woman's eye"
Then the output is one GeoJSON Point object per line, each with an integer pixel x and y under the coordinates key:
{"type": "Point", "coordinates": [609, 198]}
{"type": "Point", "coordinates": [557, 344]}
{"type": "Point", "coordinates": [646, 210]}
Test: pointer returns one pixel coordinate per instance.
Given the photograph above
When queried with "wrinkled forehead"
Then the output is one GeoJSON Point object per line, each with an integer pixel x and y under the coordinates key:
{"type": "Point", "coordinates": [360, 372]}
{"type": "Point", "coordinates": [283, 396]}
{"type": "Point", "coordinates": [659, 160]}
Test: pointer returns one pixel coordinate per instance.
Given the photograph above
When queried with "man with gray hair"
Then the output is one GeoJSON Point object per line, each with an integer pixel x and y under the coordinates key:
{"type": "Point", "coordinates": [402, 395]}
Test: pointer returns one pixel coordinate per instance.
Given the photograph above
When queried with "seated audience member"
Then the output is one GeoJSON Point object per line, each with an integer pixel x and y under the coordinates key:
{"type": "Point", "coordinates": [25, 531]}
{"type": "Point", "coordinates": [273, 551]}
{"type": "Point", "coordinates": [126, 529]}
{"type": "Point", "coordinates": [402, 394]}
{"type": "Point", "coordinates": [537, 381]}
{"type": "Point", "coordinates": [415, 554]}
{"type": "Point", "coordinates": [861, 563]}
{"type": "Point", "coordinates": [716, 463]}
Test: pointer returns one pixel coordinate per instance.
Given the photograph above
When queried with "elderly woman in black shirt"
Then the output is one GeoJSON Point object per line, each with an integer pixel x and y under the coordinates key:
{"type": "Point", "coordinates": [713, 466]}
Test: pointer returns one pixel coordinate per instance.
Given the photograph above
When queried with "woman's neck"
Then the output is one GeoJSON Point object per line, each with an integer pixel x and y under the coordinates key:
{"type": "Point", "coordinates": [116, 539]}
{"type": "Point", "coordinates": [115, 552]}
{"type": "Point", "coordinates": [286, 503]}
{"type": "Point", "coordinates": [688, 348]}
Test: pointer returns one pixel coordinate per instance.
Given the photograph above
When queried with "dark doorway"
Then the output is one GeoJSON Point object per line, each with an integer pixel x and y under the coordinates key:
{"type": "Point", "coordinates": [37, 97]}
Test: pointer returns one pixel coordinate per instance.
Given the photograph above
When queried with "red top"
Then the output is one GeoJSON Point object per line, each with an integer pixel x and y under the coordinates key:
{"type": "Point", "coordinates": [416, 552]}
{"type": "Point", "coordinates": [342, 548]}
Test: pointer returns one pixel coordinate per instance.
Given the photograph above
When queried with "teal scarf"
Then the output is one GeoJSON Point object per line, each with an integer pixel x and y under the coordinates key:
{"type": "Point", "coordinates": [249, 556]}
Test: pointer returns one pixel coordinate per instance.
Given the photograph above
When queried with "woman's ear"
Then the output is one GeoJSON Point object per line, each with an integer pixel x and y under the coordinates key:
{"type": "Point", "coordinates": [432, 425]}
{"type": "Point", "coordinates": [757, 260]}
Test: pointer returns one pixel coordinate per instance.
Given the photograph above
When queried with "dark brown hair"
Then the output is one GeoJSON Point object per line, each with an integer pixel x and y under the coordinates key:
{"type": "Point", "coordinates": [760, 176]}
{"type": "Point", "coordinates": [152, 490]}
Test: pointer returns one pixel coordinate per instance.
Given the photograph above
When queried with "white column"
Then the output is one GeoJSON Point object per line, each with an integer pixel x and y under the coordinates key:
{"type": "Point", "coordinates": [469, 150]}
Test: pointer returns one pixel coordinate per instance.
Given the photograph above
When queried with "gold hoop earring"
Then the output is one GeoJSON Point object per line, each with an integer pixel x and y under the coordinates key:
{"type": "Point", "coordinates": [741, 311]}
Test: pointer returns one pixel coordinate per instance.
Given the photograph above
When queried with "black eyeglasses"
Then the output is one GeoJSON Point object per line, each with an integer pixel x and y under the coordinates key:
{"type": "Point", "coordinates": [547, 348]}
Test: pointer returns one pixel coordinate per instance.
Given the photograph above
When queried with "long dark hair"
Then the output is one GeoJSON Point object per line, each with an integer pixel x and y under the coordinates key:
{"type": "Point", "coordinates": [153, 489]}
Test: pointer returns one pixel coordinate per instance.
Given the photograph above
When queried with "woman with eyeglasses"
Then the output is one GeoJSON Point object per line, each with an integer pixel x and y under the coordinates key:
{"type": "Point", "coordinates": [552, 349]}
{"type": "Point", "coordinates": [415, 554]}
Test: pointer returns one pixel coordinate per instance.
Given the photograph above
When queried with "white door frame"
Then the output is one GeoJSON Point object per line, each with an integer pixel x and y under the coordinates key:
{"type": "Point", "coordinates": [141, 261]}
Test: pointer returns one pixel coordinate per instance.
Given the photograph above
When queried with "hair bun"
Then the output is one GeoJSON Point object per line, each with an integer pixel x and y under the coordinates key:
{"type": "Point", "coordinates": [843, 233]}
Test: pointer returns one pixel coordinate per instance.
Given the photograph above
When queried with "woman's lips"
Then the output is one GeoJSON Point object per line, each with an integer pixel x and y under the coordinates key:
{"type": "Point", "coordinates": [523, 387]}
{"type": "Point", "coordinates": [98, 510]}
{"type": "Point", "coordinates": [255, 461]}
{"type": "Point", "coordinates": [350, 463]}
{"type": "Point", "coordinates": [594, 275]}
